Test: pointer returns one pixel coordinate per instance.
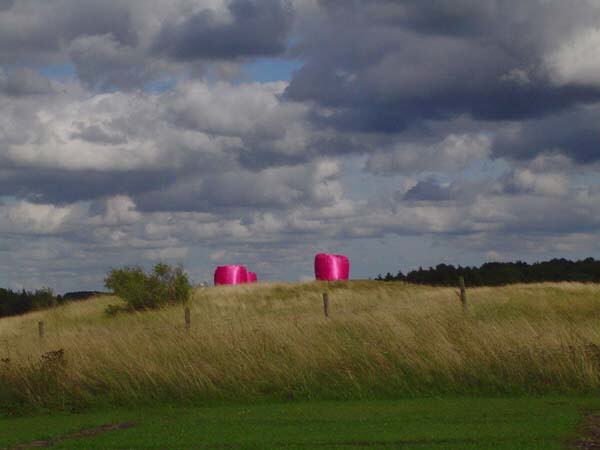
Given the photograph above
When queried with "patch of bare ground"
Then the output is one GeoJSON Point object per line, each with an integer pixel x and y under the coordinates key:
{"type": "Point", "coordinates": [88, 432]}
{"type": "Point", "coordinates": [590, 432]}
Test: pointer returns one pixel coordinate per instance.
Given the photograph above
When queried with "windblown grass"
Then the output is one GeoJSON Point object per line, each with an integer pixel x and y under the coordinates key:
{"type": "Point", "coordinates": [271, 341]}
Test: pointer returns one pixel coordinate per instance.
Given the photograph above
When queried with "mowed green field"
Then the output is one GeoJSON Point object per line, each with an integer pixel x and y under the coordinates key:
{"type": "Point", "coordinates": [449, 423]}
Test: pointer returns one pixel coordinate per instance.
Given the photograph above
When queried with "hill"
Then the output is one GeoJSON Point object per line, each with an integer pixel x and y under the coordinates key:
{"type": "Point", "coordinates": [272, 341]}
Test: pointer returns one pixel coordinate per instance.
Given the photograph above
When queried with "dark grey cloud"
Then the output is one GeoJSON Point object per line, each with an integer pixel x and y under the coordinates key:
{"type": "Point", "coordinates": [429, 190]}
{"type": "Point", "coordinates": [24, 81]}
{"type": "Point", "coordinates": [460, 17]}
{"type": "Point", "coordinates": [6, 4]}
{"type": "Point", "coordinates": [31, 30]}
{"type": "Point", "coordinates": [91, 18]}
{"type": "Point", "coordinates": [573, 133]}
{"type": "Point", "coordinates": [60, 186]}
{"type": "Point", "coordinates": [257, 28]}
{"type": "Point", "coordinates": [472, 18]}
{"type": "Point", "coordinates": [382, 66]}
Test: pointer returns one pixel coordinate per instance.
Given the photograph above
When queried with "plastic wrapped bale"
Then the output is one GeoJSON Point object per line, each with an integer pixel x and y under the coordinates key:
{"type": "Point", "coordinates": [252, 277]}
{"type": "Point", "coordinates": [331, 267]}
{"type": "Point", "coordinates": [231, 275]}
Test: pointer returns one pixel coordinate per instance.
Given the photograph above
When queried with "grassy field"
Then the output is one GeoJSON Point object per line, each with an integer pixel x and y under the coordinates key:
{"type": "Point", "coordinates": [451, 423]}
{"type": "Point", "coordinates": [270, 342]}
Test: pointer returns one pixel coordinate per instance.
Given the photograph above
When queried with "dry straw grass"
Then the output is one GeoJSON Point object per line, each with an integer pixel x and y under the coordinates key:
{"type": "Point", "coordinates": [272, 341]}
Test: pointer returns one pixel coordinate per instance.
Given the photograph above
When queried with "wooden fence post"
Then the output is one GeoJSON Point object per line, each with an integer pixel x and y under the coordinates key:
{"type": "Point", "coordinates": [188, 319]}
{"type": "Point", "coordinates": [463, 292]}
{"type": "Point", "coordinates": [326, 304]}
{"type": "Point", "coordinates": [41, 329]}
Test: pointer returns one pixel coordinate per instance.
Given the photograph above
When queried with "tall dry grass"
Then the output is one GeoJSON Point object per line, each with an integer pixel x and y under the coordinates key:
{"type": "Point", "coordinates": [272, 341]}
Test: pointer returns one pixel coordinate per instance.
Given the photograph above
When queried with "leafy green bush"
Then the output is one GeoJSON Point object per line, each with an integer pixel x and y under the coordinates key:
{"type": "Point", "coordinates": [165, 284]}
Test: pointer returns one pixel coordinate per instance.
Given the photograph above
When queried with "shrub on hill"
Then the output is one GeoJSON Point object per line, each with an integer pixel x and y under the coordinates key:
{"type": "Point", "coordinates": [164, 285]}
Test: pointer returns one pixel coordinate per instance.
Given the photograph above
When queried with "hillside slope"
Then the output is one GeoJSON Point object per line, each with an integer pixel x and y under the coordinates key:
{"type": "Point", "coordinates": [382, 340]}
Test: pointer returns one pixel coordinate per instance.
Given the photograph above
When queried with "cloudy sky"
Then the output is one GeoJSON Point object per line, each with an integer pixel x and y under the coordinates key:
{"type": "Point", "coordinates": [204, 132]}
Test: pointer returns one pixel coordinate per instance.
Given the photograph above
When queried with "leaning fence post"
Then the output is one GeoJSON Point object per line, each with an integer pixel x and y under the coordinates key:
{"type": "Point", "coordinates": [41, 329]}
{"type": "Point", "coordinates": [463, 292]}
{"type": "Point", "coordinates": [326, 304]}
{"type": "Point", "coordinates": [188, 319]}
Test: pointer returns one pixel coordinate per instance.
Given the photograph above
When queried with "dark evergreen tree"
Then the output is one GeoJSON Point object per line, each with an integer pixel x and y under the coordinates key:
{"type": "Point", "coordinates": [501, 273]}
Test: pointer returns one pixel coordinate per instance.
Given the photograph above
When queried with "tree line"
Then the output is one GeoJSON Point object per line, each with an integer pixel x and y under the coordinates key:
{"type": "Point", "coordinates": [501, 273]}
{"type": "Point", "coordinates": [13, 303]}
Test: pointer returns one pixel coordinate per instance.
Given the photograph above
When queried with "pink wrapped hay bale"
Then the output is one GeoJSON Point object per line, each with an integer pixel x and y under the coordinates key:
{"type": "Point", "coordinates": [231, 275]}
{"type": "Point", "coordinates": [331, 267]}
{"type": "Point", "coordinates": [252, 278]}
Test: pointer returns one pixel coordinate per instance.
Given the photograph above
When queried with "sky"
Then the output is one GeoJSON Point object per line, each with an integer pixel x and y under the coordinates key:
{"type": "Point", "coordinates": [402, 133]}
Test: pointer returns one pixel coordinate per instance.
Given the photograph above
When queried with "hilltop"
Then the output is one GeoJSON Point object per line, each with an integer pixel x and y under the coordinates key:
{"type": "Point", "coordinates": [272, 341]}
